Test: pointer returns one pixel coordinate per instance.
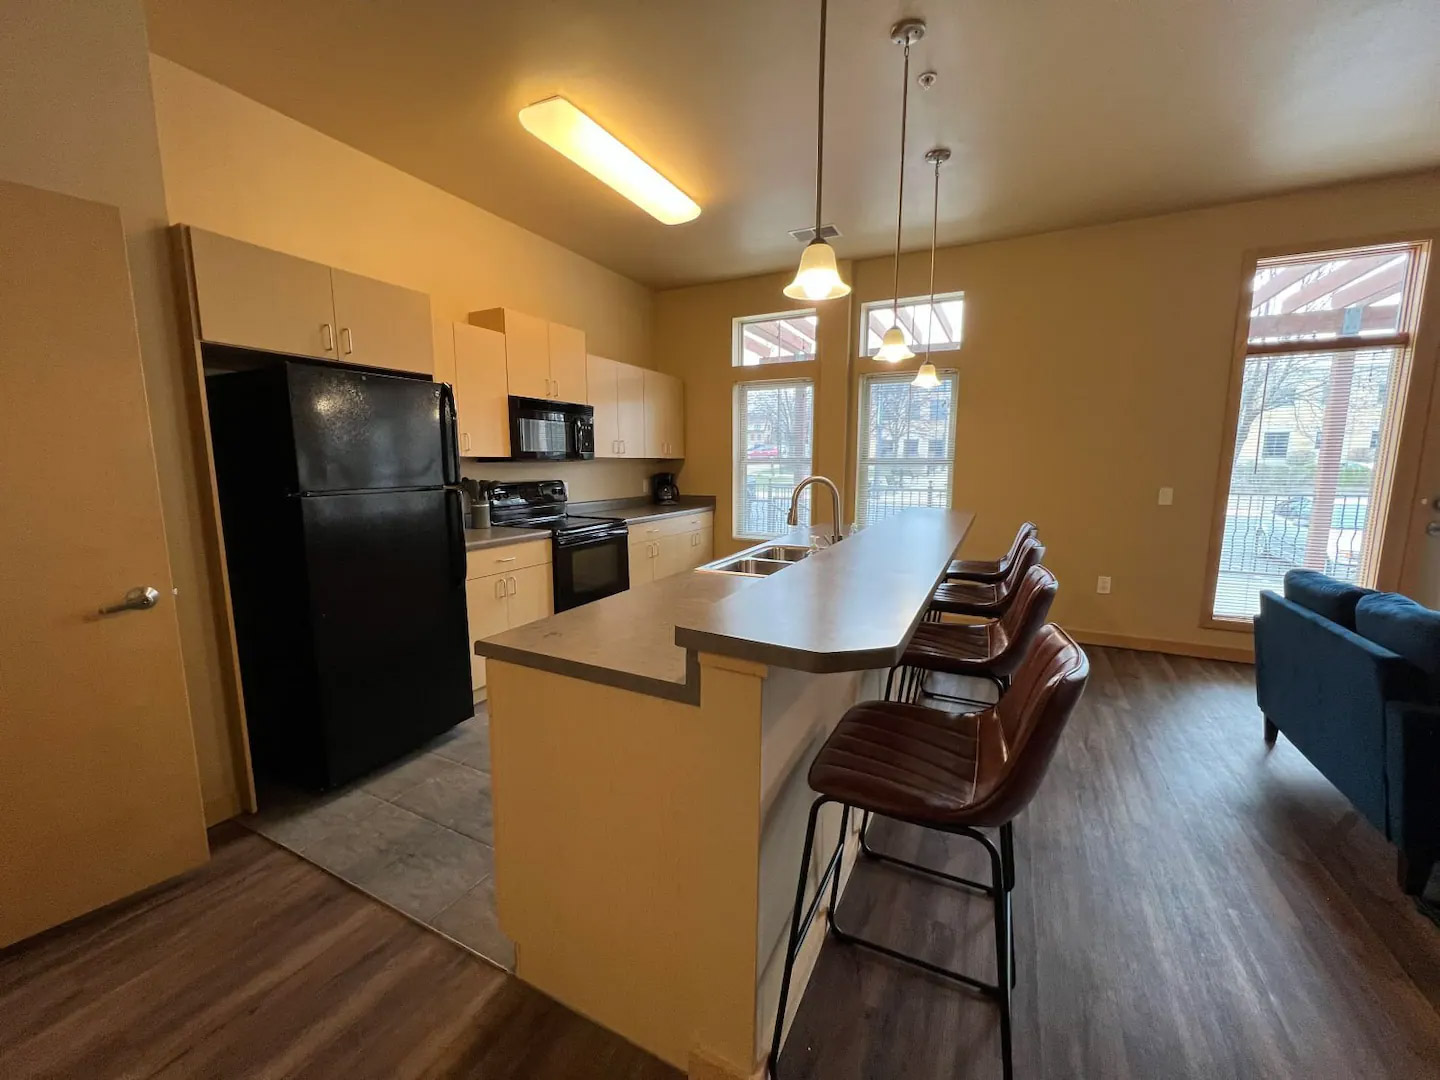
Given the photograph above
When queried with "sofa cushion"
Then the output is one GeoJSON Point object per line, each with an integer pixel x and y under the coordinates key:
{"type": "Point", "coordinates": [1404, 627]}
{"type": "Point", "coordinates": [1325, 596]}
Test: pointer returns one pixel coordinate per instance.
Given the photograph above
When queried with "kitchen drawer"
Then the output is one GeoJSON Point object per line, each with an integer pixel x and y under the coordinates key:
{"type": "Point", "coordinates": [670, 526]}
{"type": "Point", "coordinates": [498, 560]}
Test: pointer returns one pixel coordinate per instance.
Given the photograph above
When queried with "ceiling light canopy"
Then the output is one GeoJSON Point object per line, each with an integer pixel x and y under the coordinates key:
{"type": "Point", "coordinates": [818, 277]}
{"type": "Point", "coordinates": [560, 125]}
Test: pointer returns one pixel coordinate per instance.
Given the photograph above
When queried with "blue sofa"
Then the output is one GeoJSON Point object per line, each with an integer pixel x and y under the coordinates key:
{"type": "Point", "coordinates": [1352, 678]}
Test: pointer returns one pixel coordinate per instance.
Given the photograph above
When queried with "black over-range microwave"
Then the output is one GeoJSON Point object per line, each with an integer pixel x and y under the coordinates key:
{"type": "Point", "coordinates": [543, 430]}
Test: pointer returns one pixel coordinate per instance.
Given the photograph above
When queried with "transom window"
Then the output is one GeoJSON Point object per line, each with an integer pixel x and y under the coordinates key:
{"type": "Point", "coordinates": [774, 339]}
{"type": "Point", "coordinates": [879, 315]}
{"type": "Point", "coordinates": [1320, 397]}
{"type": "Point", "coordinates": [907, 445]}
{"type": "Point", "coordinates": [774, 436]}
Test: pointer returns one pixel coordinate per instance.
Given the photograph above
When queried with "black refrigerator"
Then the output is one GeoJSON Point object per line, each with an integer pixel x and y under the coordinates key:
{"type": "Point", "coordinates": [346, 556]}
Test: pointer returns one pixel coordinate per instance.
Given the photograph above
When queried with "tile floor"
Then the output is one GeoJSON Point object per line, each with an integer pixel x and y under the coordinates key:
{"type": "Point", "coordinates": [416, 835]}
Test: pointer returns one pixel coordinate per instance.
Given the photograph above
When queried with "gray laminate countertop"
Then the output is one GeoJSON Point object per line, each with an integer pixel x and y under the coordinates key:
{"type": "Point", "coordinates": [499, 535]}
{"type": "Point", "coordinates": [643, 509]}
{"type": "Point", "coordinates": [850, 607]}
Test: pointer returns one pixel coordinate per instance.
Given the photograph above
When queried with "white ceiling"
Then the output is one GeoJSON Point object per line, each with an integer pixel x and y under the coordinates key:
{"type": "Point", "coordinates": [1059, 112]}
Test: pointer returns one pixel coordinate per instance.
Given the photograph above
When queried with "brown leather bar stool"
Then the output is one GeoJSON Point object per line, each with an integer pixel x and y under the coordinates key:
{"type": "Point", "coordinates": [990, 650]}
{"type": "Point", "coordinates": [992, 570]}
{"type": "Point", "coordinates": [953, 773]}
{"type": "Point", "coordinates": [988, 600]}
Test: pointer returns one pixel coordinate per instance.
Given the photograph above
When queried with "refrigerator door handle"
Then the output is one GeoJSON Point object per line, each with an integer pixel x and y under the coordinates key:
{"type": "Point", "coordinates": [449, 434]}
{"type": "Point", "coordinates": [455, 518]}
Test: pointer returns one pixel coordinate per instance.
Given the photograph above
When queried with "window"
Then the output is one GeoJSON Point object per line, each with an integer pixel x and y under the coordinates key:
{"type": "Point", "coordinates": [920, 424]}
{"type": "Point", "coordinates": [1276, 445]}
{"type": "Point", "coordinates": [774, 430]}
{"type": "Point", "coordinates": [1326, 354]}
{"type": "Point", "coordinates": [877, 317]}
{"type": "Point", "coordinates": [774, 339]}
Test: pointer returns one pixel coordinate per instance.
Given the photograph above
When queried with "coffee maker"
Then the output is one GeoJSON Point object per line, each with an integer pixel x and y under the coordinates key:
{"type": "Point", "coordinates": [663, 488]}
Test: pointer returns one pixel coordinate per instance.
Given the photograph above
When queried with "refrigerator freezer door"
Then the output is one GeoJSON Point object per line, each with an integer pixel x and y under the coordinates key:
{"type": "Point", "coordinates": [356, 431]}
{"type": "Point", "coordinates": [386, 574]}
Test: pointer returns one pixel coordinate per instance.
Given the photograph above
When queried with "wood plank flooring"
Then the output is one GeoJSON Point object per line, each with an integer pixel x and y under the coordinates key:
{"type": "Point", "coordinates": [261, 965]}
{"type": "Point", "coordinates": [1187, 905]}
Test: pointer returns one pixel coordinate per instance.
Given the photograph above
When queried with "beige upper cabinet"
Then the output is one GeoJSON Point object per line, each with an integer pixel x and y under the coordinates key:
{"type": "Point", "coordinates": [256, 298]}
{"type": "Point", "coordinates": [567, 363]}
{"type": "Point", "coordinates": [381, 325]}
{"type": "Point", "coordinates": [543, 359]}
{"type": "Point", "coordinates": [664, 397]}
{"type": "Point", "coordinates": [482, 408]}
{"type": "Point", "coordinates": [602, 389]}
{"type": "Point", "coordinates": [260, 299]}
{"type": "Point", "coordinates": [630, 405]}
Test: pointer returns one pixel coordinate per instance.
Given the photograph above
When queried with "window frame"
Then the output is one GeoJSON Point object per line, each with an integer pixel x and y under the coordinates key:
{"type": "Point", "coordinates": [737, 337]}
{"type": "Point", "coordinates": [876, 305]}
{"type": "Point", "coordinates": [949, 377]}
{"type": "Point", "coordinates": [739, 448]}
{"type": "Point", "coordinates": [1402, 445]}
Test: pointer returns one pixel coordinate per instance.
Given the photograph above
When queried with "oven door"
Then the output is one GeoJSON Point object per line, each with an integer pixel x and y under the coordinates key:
{"type": "Point", "coordinates": [591, 566]}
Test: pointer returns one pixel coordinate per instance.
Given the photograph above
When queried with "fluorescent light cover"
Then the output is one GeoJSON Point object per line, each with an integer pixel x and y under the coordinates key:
{"type": "Point", "coordinates": [565, 128]}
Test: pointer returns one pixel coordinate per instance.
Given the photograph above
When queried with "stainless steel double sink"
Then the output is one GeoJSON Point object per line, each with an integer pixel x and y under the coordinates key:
{"type": "Point", "coordinates": [758, 561]}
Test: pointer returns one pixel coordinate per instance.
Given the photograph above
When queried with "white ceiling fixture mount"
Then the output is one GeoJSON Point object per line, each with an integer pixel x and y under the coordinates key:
{"type": "Point", "coordinates": [927, 378]}
{"type": "Point", "coordinates": [818, 278]}
{"type": "Point", "coordinates": [561, 126]}
{"type": "Point", "coordinates": [893, 346]}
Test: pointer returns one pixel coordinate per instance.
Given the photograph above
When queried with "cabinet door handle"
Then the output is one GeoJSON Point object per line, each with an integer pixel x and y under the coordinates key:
{"type": "Point", "coordinates": [512, 585]}
{"type": "Point", "coordinates": [465, 441]}
{"type": "Point", "coordinates": [327, 337]}
{"type": "Point", "coordinates": [508, 558]}
{"type": "Point", "coordinates": [500, 588]}
{"type": "Point", "coordinates": [347, 341]}
{"type": "Point", "coordinates": [622, 446]}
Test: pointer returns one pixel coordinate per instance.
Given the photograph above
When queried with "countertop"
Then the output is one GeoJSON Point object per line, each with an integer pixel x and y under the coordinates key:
{"type": "Point", "coordinates": [850, 607]}
{"type": "Point", "coordinates": [638, 509]}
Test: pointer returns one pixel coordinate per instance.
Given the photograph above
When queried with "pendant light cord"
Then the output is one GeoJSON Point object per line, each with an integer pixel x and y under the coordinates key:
{"type": "Point", "coordinates": [820, 123]}
{"type": "Point", "coordinates": [934, 231]}
{"type": "Point", "coordinates": [900, 203]}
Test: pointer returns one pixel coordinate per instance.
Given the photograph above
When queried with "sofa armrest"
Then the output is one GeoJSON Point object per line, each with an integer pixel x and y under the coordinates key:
{"type": "Point", "coordinates": [1412, 774]}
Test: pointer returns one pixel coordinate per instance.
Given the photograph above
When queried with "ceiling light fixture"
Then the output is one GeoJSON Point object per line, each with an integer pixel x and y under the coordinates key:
{"type": "Point", "coordinates": [563, 127]}
{"type": "Point", "coordinates": [927, 378]}
{"type": "Point", "coordinates": [818, 277]}
{"type": "Point", "coordinates": [893, 346]}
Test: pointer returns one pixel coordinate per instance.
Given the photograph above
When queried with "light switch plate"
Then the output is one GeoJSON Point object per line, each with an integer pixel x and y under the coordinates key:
{"type": "Point", "coordinates": [1102, 585]}
{"type": "Point", "coordinates": [1167, 496]}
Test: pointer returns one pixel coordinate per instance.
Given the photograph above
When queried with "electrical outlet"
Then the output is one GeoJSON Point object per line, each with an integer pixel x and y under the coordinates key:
{"type": "Point", "coordinates": [1167, 496]}
{"type": "Point", "coordinates": [644, 486]}
{"type": "Point", "coordinates": [1102, 585]}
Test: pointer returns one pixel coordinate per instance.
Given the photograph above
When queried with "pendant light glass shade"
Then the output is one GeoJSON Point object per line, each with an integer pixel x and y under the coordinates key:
{"type": "Point", "coordinates": [893, 348]}
{"type": "Point", "coordinates": [927, 378]}
{"type": "Point", "coordinates": [818, 277]}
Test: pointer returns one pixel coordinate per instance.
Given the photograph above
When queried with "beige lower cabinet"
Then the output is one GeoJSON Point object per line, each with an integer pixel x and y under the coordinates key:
{"type": "Point", "coordinates": [506, 587]}
{"type": "Point", "coordinates": [670, 546]}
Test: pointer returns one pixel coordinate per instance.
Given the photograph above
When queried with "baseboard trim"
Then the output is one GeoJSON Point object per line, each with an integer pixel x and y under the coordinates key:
{"type": "Point", "coordinates": [1240, 654]}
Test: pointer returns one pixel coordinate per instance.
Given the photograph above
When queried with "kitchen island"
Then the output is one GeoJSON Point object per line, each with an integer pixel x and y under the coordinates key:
{"type": "Point", "coordinates": [649, 754]}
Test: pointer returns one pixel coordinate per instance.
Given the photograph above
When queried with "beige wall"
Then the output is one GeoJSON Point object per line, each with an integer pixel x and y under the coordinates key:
{"type": "Point", "coordinates": [1095, 370]}
{"type": "Point", "coordinates": [78, 119]}
{"type": "Point", "coordinates": [239, 168]}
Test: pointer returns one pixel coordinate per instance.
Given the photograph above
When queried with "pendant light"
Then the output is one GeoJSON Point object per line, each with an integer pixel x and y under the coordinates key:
{"type": "Point", "coordinates": [818, 277]}
{"type": "Point", "coordinates": [927, 378]}
{"type": "Point", "coordinates": [893, 347]}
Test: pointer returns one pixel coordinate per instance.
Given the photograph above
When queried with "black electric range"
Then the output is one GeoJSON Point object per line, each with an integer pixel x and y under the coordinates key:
{"type": "Point", "coordinates": [590, 556]}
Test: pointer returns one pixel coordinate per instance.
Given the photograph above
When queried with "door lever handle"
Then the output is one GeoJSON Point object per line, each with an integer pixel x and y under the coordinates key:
{"type": "Point", "coordinates": [140, 598]}
{"type": "Point", "coordinates": [1433, 528]}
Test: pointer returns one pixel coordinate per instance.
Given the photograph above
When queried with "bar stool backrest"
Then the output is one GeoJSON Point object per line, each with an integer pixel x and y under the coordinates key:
{"type": "Point", "coordinates": [1023, 619]}
{"type": "Point", "coordinates": [1030, 718]}
{"type": "Point", "coordinates": [1031, 552]}
{"type": "Point", "coordinates": [1025, 532]}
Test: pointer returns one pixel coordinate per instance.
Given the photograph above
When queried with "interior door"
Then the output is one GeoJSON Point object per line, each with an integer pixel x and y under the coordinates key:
{"type": "Point", "coordinates": [481, 394]}
{"type": "Point", "coordinates": [601, 391]}
{"type": "Point", "coordinates": [99, 794]}
{"type": "Point", "coordinates": [262, 299]}
{"type": "Point", "coordinates": [630, 405]}
{"type": "Point", "coordinates": [1423, 570]}
{"type": "Point", "coordinates": [567, 362]}
{"type": "Point", "coordinates": [382, 325]}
